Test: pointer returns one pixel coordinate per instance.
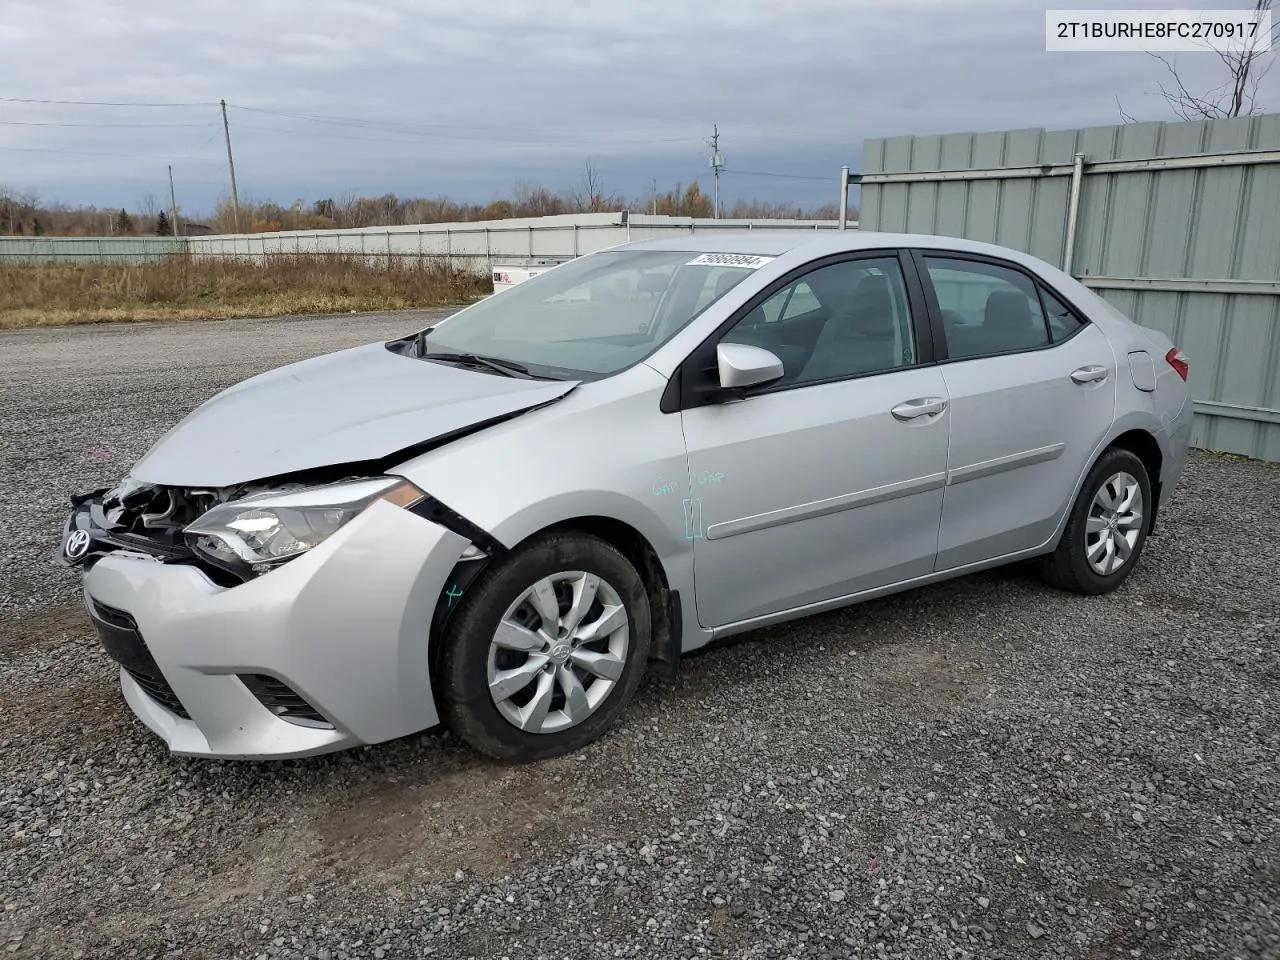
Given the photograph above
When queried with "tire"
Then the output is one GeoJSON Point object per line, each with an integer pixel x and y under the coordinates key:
{"type": "Point", "coordinates": [533, 669]}
{"type": "Point", "coordinates": [1083, 562]}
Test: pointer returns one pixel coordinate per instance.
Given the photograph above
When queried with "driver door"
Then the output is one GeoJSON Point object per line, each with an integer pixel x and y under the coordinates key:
{"type": "Point", "coordinates": [829, 481]}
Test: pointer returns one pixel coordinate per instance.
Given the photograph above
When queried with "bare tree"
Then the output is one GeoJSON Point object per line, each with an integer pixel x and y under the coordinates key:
{"type": "Point", "coordinates": [589, 196]}
{"type": "Point", "coordinates": [534, 201]}
{"type": "Point", "coordinates": [1125, 116]}
{"type": "Point", "coordinates": [1236, 96]}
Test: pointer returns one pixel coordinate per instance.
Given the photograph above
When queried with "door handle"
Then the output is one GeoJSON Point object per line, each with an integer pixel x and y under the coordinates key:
{"type": "Point", "coordinates": [1091, 374]}
{"type": "Point", "coordinates": [922, 407]}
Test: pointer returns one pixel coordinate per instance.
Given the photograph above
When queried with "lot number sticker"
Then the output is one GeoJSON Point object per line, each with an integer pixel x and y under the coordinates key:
{"type": "Point", "coordinates": [745, 260]}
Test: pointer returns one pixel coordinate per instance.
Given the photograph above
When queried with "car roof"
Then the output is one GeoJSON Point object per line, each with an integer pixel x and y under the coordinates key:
{"type": "Point", "coordinates": [817, 243]}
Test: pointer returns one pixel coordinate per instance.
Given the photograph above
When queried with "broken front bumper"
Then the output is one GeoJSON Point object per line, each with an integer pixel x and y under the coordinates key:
{"type": "Point", "coordinates": [329, 650]}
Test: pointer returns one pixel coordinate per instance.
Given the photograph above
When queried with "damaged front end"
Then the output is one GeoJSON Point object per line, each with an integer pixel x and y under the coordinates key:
{"type": "Point", "coordinates": [232, 534]}
{"type": "Point", "coordinates": [141, 520]}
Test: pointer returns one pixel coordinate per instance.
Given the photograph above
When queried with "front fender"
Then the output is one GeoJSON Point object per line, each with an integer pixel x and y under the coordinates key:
{"type": "Point", "coordinates": [605, 450]}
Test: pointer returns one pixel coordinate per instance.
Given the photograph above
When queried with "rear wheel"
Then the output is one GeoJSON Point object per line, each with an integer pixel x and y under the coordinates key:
{"type": "Point", "coordinates": [546, 651]}
{"type": "Point", "coordinates": [1107, 528]}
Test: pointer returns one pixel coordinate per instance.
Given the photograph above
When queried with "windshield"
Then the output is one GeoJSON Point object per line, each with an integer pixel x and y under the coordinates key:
{"type": "Point", "coordinates": [596, 315]}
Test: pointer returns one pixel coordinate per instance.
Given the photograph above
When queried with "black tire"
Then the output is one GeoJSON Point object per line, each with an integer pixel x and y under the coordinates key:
{"type": "Point", "coordinates": [1068, 566]}
{"type": "Point", "coordinates": [469, 709]}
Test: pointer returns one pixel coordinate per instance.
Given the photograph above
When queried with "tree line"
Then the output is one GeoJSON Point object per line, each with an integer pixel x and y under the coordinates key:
{"type": "Point", "coordinates": [526, 200]}
{"type": "Point", "coordinates": [24, 214]}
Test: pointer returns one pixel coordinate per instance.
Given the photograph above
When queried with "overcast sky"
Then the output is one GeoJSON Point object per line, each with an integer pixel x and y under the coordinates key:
{"type": "Point", "coordinates": [430, 97]}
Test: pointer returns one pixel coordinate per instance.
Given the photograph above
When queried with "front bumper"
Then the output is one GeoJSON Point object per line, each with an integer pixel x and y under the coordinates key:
{"type": "Point", "coordinates": [345, 627]}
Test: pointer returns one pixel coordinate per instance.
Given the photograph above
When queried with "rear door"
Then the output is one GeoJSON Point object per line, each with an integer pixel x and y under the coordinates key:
{"type": "Point", "coordinates": [1032, 387]}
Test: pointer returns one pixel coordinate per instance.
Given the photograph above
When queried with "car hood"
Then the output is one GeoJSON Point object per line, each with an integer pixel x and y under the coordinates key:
{"type": "Point", "coordinates": [365, 403]}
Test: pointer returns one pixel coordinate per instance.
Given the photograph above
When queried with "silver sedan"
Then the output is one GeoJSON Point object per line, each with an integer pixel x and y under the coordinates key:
{"type": "Point", "coordinates": [500, 522]}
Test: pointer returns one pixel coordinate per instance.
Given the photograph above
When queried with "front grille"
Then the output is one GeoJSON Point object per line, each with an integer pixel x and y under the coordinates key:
{"type": "Point", "coordinates": [123, 642]}
{"type": "Point", "coordinates": [282, 700]}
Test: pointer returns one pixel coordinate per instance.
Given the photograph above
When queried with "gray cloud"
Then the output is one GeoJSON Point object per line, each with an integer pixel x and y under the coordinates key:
{"type": "Point", "coordinates": [464, 99]}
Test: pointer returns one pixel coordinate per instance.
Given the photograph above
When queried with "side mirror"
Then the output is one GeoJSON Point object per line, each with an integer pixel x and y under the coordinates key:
{"type": "Point", "coordinates": [741, 365]}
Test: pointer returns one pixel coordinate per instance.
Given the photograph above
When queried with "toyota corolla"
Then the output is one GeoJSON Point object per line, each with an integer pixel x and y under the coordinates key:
{"type": "Point", "coordinates": [500, 522]}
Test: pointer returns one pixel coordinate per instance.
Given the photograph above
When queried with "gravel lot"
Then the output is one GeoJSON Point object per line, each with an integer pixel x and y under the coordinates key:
{"type": "Point", "coordinates": [986, 768]}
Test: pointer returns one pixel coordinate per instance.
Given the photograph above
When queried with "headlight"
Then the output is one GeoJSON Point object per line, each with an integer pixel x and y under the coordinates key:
{"type": "Point", "coordinates": [252, 535]}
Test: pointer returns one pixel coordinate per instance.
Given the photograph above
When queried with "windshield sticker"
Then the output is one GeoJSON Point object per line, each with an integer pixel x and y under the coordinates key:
{"type": "Point", "coordinates": [747, 261]}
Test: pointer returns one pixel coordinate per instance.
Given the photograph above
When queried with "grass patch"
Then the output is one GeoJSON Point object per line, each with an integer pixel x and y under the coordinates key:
{"type": "Point", "coordinates": [186, 288]}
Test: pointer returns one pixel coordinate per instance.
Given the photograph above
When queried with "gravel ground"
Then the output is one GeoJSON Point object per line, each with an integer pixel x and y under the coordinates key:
{"type": "Point", "coordinates": [985, 768]}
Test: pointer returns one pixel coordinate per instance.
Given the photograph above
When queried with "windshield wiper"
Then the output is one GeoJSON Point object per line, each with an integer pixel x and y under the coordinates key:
{"type": "Point", "coordinates": [508, 368]}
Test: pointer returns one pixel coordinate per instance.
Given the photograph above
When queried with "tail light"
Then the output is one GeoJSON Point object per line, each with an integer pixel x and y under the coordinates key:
{"type": "Point", "coordinates": [1178, 360]}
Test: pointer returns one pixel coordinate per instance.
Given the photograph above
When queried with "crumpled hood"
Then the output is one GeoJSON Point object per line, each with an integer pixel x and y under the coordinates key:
{"type": "Point", "coordinates": [364, 403]}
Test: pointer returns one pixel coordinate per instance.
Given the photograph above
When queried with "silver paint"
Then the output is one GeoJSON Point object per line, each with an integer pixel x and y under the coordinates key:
{"type": "Point", "coordinates": [785, 503]}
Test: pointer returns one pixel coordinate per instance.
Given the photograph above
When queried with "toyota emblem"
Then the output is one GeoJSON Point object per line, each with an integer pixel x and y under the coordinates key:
{"type": "Point", "coordinates": [77, 545]}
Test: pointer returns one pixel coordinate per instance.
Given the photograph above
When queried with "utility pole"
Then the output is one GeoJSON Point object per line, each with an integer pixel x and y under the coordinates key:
{"type": "Point", "coordinates": [173, 205]}
{"type": "Point", "coordinates": [844, 197]}
{"type": "Point", "coordinates": [235, 197]}
{"type": "Point", "coordinates": [655, 198]}
{"type": "Point", "coordinates": [717, 162]}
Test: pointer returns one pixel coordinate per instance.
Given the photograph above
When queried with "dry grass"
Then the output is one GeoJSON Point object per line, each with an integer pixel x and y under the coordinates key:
{"type": "Point", "coordinates": [185, 288]}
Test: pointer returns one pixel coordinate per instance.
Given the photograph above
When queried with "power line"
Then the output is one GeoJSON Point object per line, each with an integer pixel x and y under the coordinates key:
{"type": "Point", "coordinates": [96, 153]}
{"type": "Point", "coordinates": [408, 133]}
{"type": "Point", "coordinates": [208, 140]}
{"type": "Point", "coordinates": [781, 176]}
{"type": "Point", "coordinates": [55, 123]}
{"type": "Point", "coordinates": [241, 125]}
{"type": "Point", "coordinates": [406, 126]}
{"type": "Point", "coordinates": [437, 139]}
{"type": "Point", "coordinates": [103, 103]}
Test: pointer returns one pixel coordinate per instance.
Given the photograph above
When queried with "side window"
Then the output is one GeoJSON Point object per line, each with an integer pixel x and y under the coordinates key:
{"type": "Point", "coordinates": [800, 300]}
{"type": "Point", "coordinates": [986, 309]}
{"type": "Point", "coordinates": [789, 302]}
{"type": "Point", "coordinates": [1062, 320]}
{"type": "Point", "coordinates": [771, 310]}
{"type": "Point", "coordinates": [842, 320]}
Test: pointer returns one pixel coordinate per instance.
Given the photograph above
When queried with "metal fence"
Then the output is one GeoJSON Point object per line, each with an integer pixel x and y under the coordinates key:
{"type": "Point", "coordinates": [1177, 224]}
{"type": "Point", "coordinates": [85, 249]}
{"type": "Point", "coordinates": [469, 245]}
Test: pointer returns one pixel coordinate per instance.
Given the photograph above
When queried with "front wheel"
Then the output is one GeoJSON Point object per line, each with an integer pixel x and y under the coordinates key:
{"type": "Point", "coordinates": [1107, 528]}
{"type": "Point", "coordinates": [547, 649]}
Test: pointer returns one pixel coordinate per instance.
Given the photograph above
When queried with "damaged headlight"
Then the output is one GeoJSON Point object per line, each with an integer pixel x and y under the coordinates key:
{"type": "Point", "coordinates": [254, 534]}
